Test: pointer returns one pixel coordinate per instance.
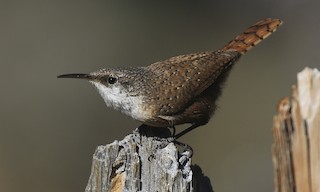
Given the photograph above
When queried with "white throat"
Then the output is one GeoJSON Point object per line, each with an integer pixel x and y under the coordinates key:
{"type": "Point", "coordinates": [119, 99]}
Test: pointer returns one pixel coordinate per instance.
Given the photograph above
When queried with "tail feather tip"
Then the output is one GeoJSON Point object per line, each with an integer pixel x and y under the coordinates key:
{"type": "Point", "coordinates": [253, 35]}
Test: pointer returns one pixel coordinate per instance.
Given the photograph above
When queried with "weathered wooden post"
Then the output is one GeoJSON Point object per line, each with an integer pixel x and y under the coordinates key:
{"type": "Point", "coordinates": [296, 132]}
{"type": "Point", "coordinates": [145, 161]}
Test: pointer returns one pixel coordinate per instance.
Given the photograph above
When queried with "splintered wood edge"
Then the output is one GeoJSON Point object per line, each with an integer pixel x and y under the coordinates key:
{"type": "Point", "coordinates": [296, 147]}
{"type": "Point", "coordinates": [309, 95]}
{"type": "Point", "coordinates": [281, 147]}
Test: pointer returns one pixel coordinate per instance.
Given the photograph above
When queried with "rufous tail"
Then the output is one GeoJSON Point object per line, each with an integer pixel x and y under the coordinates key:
{"type": "Point", "coordinates": [253, 35]}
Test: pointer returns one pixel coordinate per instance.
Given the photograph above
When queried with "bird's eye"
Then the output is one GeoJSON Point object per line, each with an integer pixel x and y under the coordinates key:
{"type": "Point", "coordinates": [112, 80]}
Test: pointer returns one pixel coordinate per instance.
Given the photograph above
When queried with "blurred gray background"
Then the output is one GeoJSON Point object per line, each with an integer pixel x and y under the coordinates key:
{"type": "Point", "coordinates": [49, 127]}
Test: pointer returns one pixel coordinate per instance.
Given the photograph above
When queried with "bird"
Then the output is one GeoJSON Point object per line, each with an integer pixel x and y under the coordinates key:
{"type": "Point", "coordinates": [180, 90]}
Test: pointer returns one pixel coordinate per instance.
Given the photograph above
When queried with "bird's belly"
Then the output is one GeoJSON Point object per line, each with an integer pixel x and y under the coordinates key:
{"type": "Point", "coordinates": [198, 112]}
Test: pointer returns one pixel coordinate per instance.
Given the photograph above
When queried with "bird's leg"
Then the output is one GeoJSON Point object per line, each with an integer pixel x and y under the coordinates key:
{"type": "Point", "coordinates": [193, 126]}
{"type": "Point", "coordinates": [186, 148]}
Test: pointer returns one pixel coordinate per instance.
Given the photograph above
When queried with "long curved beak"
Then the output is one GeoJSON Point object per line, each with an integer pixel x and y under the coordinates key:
{"type": "Point", "coordinates": [77, 76]}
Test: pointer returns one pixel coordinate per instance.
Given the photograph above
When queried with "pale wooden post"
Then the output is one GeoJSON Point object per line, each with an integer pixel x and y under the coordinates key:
{"type": "Point", "coordinates": [145, 161]}
{"type": "Point", "coordinates": [296, 132]}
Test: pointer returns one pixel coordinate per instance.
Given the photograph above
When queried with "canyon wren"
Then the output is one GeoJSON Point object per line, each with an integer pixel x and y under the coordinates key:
{"type": "Point", "coordinates": [180, 90]}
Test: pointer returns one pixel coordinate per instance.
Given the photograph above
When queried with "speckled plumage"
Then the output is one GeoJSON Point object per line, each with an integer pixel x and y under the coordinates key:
{"type": "Point", "coordinates": [182, 89]}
